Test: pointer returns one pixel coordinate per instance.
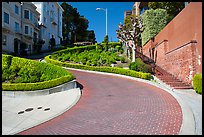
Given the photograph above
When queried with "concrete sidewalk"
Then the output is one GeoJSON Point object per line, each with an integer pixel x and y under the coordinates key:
{"type": "Point", "coordinates": [194, 101]}
{"type": "Point", "coordinates": [22, 113]}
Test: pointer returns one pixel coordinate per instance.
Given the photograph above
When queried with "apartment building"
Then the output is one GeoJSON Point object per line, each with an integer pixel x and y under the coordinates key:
{"type": "Point", "coordinates": [19, 26]}
{"type": "Point", "coordinates": [139, 7]}
{"type": "Point", "coordinates": [127, 13]}
{"type": "Point", "coordinates": [50, 22]}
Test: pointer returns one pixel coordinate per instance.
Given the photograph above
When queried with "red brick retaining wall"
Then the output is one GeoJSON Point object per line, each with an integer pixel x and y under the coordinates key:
{"type": "Point", "coordinates": [179, 44]}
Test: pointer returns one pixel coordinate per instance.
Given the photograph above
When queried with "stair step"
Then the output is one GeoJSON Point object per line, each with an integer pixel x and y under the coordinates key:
{"type": "Point", "coordinates": [166, 77]}
{"type": "Point", "coordinates": [184, 87]}
{"type": "Point", "coordinates": [170, 80]}
{"type": "Point", "coordinates": [163, 74]}
{"type": "Point", "coordinates": [175, 82]}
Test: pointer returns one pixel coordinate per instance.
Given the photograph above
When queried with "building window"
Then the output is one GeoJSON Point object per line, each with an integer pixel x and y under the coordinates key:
{"type": "Point", "coordinates": [16, 9]}
{"type": "Point", "coordinates": [26, 29]}
{"type": "Point", "coordinates": [16, 27]}
{"type": "Point", "coordinates": [26, 14]}
{"type": "Point", "coordinates": [31, 31]}
{"type": "Point", "coordinates": [31, 16]}
{"type": "Point", "coordinates": [4, 40]}
{"type": "Point", "coordinates": [6, 17]}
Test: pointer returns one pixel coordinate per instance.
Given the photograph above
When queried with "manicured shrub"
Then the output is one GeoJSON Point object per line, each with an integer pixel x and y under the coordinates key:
{"type": "Point", "coordinates": [75, 49]}
{"type": "Point", "coordinates": [96, 57]}
{"type": "Point", "coordinates": [122, 59]}
{"type": "Point", "coordinates": [153, 22]}
{"type": "Point", "coordinates": [139, 65]}
{"type": "Point", "coordinates": [37, 85]}
{"type": "Point", "coordinates": [6, 61]}
{"type": "Point", "coordinates": [27, 71]}
{"type": "Point", "coordinates": [197, 83]}
{"type": "Point", "coordinates": [121, 71]}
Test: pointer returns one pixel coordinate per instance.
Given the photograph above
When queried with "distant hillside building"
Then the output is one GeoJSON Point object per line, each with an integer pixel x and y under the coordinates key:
{"type": "Point", "coordinates": [127, 13]}
{"type": "Point", "coordinates": [50, 22]}
{"type": "Point", "coordinates": [139, 8]}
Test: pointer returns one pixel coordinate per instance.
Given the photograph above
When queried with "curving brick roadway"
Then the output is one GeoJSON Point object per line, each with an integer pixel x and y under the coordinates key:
{"type": "Point", "coordinates": [115, 105]}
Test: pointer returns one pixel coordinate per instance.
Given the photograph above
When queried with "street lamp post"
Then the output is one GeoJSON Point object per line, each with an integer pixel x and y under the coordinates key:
{"type": "Point", "coordinates": [106, 10]}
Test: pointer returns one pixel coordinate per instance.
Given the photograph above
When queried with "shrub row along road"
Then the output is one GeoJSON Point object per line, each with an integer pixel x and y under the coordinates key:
{"type": "Point", "coordinates": [114, 105]}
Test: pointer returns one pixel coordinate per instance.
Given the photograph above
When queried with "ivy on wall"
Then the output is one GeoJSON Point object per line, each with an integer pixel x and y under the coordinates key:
{"type": "Point", "coordinates": [153, 22]}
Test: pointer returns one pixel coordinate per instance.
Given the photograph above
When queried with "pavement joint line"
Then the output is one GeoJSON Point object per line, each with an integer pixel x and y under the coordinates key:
{"type": "Point", "coordinates": [188, 120]}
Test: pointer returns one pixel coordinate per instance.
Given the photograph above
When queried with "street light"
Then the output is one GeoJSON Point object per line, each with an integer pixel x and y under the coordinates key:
{"type": "Point", "coordinates": [106, 10]}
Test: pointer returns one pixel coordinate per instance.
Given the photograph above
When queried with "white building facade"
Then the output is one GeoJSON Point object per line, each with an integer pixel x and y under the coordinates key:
{"type": "Point", "coordinates": [19, 26]}
{"type": "Point", "coordinates": [50, 22]}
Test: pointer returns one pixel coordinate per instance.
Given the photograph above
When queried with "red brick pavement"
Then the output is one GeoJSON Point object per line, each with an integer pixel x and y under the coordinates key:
{"type": "Point", "coordinates": [114, 105]}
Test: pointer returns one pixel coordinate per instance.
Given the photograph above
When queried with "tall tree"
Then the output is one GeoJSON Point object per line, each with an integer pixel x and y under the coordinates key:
{"type": "Point", "coordinates": [128, 23]}
{"type": "Point", "coordinates": [173, 8]}
{"type": "Point", "coordinates": [129, 26]}
{"type": "Point", "coordinates": [73, 23]}
{"type": "Point", "coordinates": [82, 25]}
{"type": "Point", "coordinates": [69, 21]}
{"type": "Point", "coordinates": [90, 36]}
{"type": "Point", "coordinates": [132, 35]}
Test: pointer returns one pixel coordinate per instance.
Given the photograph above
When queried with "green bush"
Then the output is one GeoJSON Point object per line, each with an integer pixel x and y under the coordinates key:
{"type": "Point", "coordinates": [75, 49]}
{"type": "Point", "coordinates": [153, 22]}
{"type": "Point", "coordinates": [27, 71]}
{"type": "Point", "coordinates": [114, 44]}
{"type": "Point", "coordinates": [122, 59]}
{"type": "Point", "coordinates": [197, 83]}
{"type": "Point", "coordinates": [121, 71]}
{"type": "Point", "coordinates": [37, 85]}
{"type": "Point", "coordinates": [139, 65]}
{"type": "Point", "coordinates": [96, 57]}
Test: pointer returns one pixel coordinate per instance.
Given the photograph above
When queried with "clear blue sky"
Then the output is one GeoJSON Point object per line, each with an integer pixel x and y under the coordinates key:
{"type": "Point", "coordinates": [97, 19]}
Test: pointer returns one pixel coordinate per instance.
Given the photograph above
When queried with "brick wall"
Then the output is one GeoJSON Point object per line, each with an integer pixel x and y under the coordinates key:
{"type": "Point", "coordinates": [179, 44]}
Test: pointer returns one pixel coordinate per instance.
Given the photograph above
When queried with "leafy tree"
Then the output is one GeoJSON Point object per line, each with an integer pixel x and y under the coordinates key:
{"type": "Point", "coordinates": [82, 25]}
{"type": "Point", "coordinates": [74, 23]}
{"type": "Point", "coordinates": [90, 36]}
{"type": "Point", "coordinates": [129, 26]}
{"type": "Point", "coordinates": [173, 8]}
{"type": "Point", "coordinates": [128, 22]}
{"type": "Point", "coordinates": [133, 34]}
{"type": "Point", "coordinates": [105, 40]}
{"type": "Point", "coordinates": [69, 21]}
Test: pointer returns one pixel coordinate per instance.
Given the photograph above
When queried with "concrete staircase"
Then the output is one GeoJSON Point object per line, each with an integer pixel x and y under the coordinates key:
{"type": "Point", "coordinates": [170, 80]}
{"type": "Point", "coordinates": [163, 75]}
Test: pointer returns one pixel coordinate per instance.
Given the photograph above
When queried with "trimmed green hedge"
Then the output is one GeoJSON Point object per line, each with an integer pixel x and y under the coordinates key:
{"type": "Point", "coordinates": [197, 83]}
{"type": "Point", "coordinates": [139, 65]}
{"type": "Point", "coordinates": [132, 73]}
{"type": "Point", "coordinates": [37, 85]}
{"type": "Point", "coordinates": [25, 74]}
{"type": "Point", "coordinates": [153, 22]}
{"type": "Point", "coordinates": [75, 49]}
